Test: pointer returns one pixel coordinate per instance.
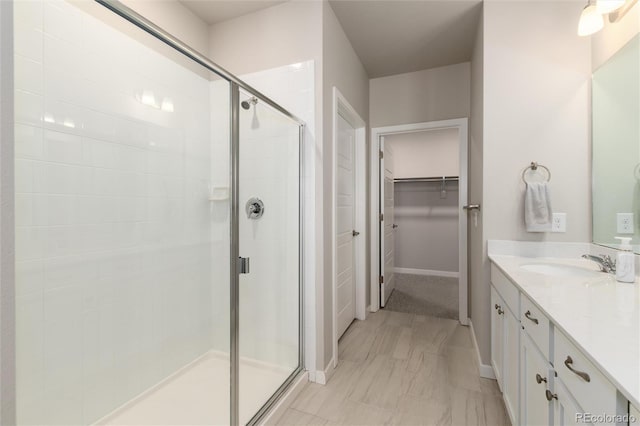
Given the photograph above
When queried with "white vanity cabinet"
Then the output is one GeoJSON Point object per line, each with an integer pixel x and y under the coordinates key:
{"type": "Point", "coordinates": [535, 380]}
{"type": "Point", "coordinates": [544, 377]}
{"type": "Point", "coordinates": [588, 387]}
{"type": "Point", "coordinates": [634, 415]}
{"type": "Point", "coordinates": [497, 335]}
{"type": "Point", "coordinates": [505, 341]}
{"type": "Point", "coordinates": [565, 408]}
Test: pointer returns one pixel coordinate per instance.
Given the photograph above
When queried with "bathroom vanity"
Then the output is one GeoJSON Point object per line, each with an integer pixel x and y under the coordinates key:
{"type": "Point", "coordinates": [565, 337]}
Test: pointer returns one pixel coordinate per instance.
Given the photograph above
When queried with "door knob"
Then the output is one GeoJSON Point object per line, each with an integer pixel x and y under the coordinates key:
{"type": "Point", "coordinates": [355, 233]}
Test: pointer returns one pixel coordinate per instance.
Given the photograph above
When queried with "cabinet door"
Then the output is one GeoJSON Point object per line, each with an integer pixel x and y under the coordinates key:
{"type": "Point", "coordinates": [535, 409]}
{"type": "Point", "coordinates": [511, 364]}
{"type": "Point", "coordinates": [497, 335]}
{"type": "Point", "coordinates": [566, 410]}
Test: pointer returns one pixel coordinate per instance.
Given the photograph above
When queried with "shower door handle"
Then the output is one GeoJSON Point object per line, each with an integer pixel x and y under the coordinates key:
{"type": "Point", "coordinates": [243, 265]}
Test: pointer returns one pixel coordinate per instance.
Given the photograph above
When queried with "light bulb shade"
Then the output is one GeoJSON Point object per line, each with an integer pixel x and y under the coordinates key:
{"type": "Point", "coordinates": [590, 21]}
{"type": "Point", "coordinates": [607, 6]}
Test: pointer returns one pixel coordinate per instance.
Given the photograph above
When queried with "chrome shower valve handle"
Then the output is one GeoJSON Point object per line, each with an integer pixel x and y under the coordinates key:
{"type": "Point", "coordinates": [254, 208]}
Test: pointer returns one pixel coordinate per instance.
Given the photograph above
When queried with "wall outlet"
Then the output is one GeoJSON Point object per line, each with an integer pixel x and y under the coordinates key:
{"type": "Point", "coordinates": [559, 222]}
{"type": "Point", "coordinates": [624, 223]}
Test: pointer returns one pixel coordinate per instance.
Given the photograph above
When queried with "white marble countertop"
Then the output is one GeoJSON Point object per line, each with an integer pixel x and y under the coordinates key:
{"type": "Point", "coordinates": [600, 315]}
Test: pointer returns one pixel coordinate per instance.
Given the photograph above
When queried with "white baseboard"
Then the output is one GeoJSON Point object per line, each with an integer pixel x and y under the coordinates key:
{"type": "Point", "coordinates": [433, 272]}
{"type": "Point", "coordinates": [486, 371]}
{"type": "Point", "coordinates": [272, 417]}
{"type": "Point", "coordinates": [322, 377]}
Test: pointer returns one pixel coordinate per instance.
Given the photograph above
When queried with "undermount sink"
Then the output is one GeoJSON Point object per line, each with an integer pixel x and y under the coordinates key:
{"type": "Point", "coordinates": [559, 270]}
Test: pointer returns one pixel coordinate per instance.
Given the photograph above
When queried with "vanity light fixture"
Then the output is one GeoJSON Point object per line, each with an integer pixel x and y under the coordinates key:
{"type": "Point", "coordinates": [590, 20]}
{"type": "Point", "coordinates": [607, 6]}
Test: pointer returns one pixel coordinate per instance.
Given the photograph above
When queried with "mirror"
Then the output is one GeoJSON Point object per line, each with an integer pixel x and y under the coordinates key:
{"type": "Point", "coordinates": [616, 147]}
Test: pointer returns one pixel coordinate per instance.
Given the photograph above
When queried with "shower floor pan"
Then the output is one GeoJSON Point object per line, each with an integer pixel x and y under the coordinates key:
{"type": "Point", "coordinates": [199, 394]}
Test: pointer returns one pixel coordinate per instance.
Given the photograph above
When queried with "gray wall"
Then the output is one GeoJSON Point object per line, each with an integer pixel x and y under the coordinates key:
{"type": "Point", "coordinates": [341, 68]}
{"type": "Point", "coordinates": [428, 95]}
{"type": "Point", "coordinates": [536, 85]}
{"type": "Point", "coordinates": [427, 233]}
{"type": "Point", "coordinates": [176, 19]}
{"type": "Point", "coordinates": [7, 249]}
{"type": "Point", "coordinates": [479, 296]}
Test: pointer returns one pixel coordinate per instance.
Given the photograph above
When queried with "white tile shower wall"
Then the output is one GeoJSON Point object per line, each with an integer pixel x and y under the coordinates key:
{"type": "Point", "coordinates": [268, 293]}
{"type": "Point", "coordinates": [291, 86]}
{"type": "Point", "coordinates": [113, 248]}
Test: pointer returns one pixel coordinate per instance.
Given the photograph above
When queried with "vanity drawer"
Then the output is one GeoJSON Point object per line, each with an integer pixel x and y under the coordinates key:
{"type": "Point", "coordinates": [536, 324]}
{"type": "Point", "coordinates": [595, 395]}
{"type": "Point", "coordinates": [506, 289]}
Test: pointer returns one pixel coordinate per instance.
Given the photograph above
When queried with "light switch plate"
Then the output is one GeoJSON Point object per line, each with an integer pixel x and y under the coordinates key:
{"type": "Point", "coordinates": [624, 223]}
{"type": "Point", "coordinates": [559, 222]}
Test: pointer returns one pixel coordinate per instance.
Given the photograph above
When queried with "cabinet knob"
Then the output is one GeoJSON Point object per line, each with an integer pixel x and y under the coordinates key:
{"type": "Point", "coordinates": [540, 379]}
{"type": "Point", "coordinates": [550, 396]}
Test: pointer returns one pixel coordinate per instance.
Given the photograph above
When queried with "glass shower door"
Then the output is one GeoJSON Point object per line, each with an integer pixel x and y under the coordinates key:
{"type": "Point", "coordinates": [269, 236]}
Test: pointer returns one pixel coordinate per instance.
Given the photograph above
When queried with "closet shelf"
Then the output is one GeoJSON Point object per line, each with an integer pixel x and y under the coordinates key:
{"type": "Point", "coordinates": [428, 179]}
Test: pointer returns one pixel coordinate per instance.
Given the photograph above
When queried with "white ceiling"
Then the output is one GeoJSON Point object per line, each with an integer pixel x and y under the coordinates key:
{"type": "Point", "coordinates": [398, 36]}
{"type": "Point", "coordinates": [389, 36]}
{"type": "Point", "coordinates": [214, 11]}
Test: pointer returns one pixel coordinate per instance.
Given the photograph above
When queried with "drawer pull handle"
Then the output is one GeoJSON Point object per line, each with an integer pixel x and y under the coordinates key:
{"type": "Point", "coordinates": [568, 362]}
{"type": "Point", "coordinates": [550, 395]}
{"type": "Point", "coordinates": [540, 379]}
{"type": "Point", "coordinates": [530, 318]}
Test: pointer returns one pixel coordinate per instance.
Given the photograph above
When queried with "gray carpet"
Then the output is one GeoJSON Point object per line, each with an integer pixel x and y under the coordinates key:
{"type": "Point", "coordinates": [425, 295]}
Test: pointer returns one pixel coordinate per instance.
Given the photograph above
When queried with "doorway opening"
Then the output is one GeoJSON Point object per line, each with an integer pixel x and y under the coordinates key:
{"type": "Point", "coordinates": [419, 225]}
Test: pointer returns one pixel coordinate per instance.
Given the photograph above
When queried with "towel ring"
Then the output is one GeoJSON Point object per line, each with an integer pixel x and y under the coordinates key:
{"type": "Point", "coordinates": [534, 166]}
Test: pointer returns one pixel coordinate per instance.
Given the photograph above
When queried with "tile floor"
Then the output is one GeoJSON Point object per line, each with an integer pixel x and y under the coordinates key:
{"type": "Point", "coordinates": [402, 369]}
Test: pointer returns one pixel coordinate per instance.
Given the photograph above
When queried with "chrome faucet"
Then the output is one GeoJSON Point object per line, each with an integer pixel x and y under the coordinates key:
{"type": "Point", "coordinates": [605, 262]}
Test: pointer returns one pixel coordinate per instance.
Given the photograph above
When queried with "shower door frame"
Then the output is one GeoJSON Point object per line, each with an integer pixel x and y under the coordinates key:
{"type": "Point", "coordinates": [235, 85]}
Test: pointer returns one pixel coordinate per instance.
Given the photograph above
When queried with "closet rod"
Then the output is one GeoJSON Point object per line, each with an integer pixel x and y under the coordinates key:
{"type": "Point", "coordinates": [429, 179]}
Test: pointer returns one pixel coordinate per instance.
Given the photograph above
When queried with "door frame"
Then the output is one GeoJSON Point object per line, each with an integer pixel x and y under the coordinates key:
{"type": "Point", "coordinates": [342, 107]}
{"type": "Point", "coordinates": [463, 138]}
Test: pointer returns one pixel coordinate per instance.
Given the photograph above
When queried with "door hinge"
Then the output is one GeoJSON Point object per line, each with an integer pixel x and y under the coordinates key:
{"type": "Point", "coordinates": [381, 279]}
{"type": "Point", "coordinates": [243, 265]}
{"type": "Point", "coordinates": [381, 155]}
{"type": "Point", "coordinates": [381, 217]}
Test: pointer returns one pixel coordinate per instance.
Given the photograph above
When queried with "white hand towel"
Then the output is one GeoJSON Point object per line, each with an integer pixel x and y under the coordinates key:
{"type": "Point", "coordinates": [537, 207]}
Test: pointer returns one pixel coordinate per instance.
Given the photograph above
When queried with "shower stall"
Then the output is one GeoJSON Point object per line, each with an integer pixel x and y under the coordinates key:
{"type": "Point", "coordinates": [158, 227]}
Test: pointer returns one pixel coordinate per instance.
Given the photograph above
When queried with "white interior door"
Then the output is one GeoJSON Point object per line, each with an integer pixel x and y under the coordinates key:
{"type": "Point", "coordinates": [345, 232]}
{"type": "Point", "coordinates": [386, 224]}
